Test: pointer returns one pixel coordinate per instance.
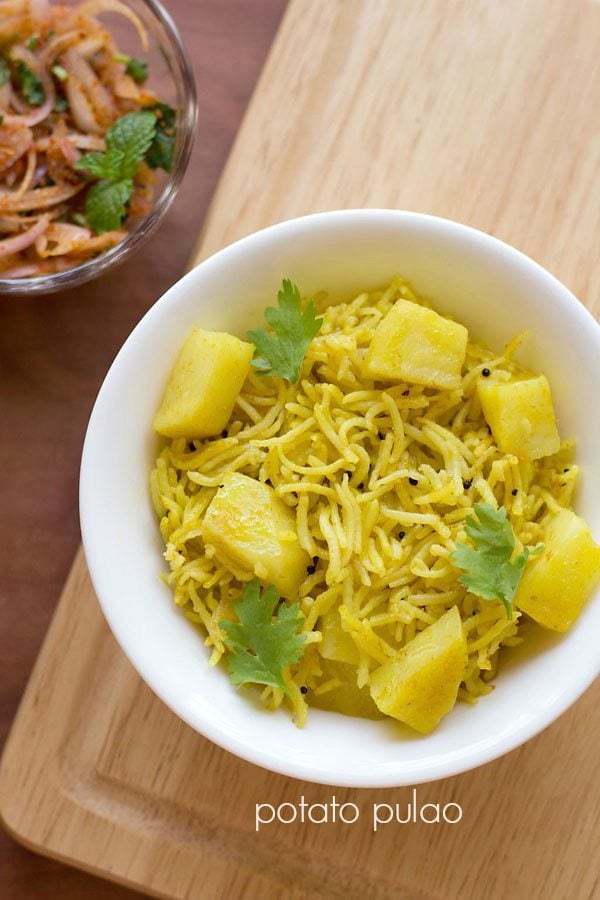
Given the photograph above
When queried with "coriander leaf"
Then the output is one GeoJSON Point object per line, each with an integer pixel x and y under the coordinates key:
{"type": "Point", "coordinates": [31, 86]}
{"type": "Point", "coordinates": [138, 69]}
{"type": "Point", "coordinates": [4, 71]}
{"type": "Point", "coordinates": [262, 644]}
{"type": "Point", "coordinates": [162, 149]}
{"type": "Point", "coordinates": [490, 571]}
{"type": "Point", "coordinates": [282, 353]}
{"type": "Point", "coordinates": [132, 135]}
{"type": "Point", "coordinates": [105, 204]}
{"type": "Point", "coordinates": [107, 165]}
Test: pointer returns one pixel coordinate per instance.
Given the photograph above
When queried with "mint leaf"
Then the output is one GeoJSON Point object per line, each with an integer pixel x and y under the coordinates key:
{"type": "Point", "coordinates": [162, 149]}
{"type": "Point", "coordinates": [105, 205]}
{"type": "Point", "coordinates": [490, 572]}
{"type": "Point", "coordinates": [132, 135]}
{"type": "Point", "coordinates": [127, 142]}
{"type": "Point", "coordinates": [262, 643]}
{"type": "Point", "coordinates": [107, 165]}
{"type": "Point", "coordinates": [283, 352]}
{"type": "Point", "coordinates": [31, 86]}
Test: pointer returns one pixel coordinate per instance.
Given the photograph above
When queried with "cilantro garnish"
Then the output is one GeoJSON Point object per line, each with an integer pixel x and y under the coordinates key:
{"type": "Point", "coordinates": [282, 353]}
{"type": "Point", "coordinates": [261, 643]}
{"type": "Point", "coordinates": [127, 142]}
{"type": "Point", "coordinates": [4, 71]}
{"type": "Point", "coordinates": [31, 86]}
{"type": "Point", "coordinates": [162, 149]}
{"type": "Point", "coordinates": [490, 571]}
{"type": "Point", "coordinates": [137, 68]}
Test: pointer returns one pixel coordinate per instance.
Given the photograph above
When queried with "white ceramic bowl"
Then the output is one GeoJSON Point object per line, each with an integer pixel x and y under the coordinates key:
{"type": "Point", "coordinates": [487, 285]}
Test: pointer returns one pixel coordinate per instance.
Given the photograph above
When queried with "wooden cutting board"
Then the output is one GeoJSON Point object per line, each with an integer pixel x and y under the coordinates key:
{"type": "Point", "coordinates": [485, 111]}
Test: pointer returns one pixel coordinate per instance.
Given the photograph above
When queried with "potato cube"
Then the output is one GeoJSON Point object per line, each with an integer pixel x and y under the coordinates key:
{"type": "Point", "coordinates": [203, 385]}
{"type": "Point", "coordinates": [556, 584]}
{"type": "Point", "coordinates": [347, 697]}
{"type": "Point", "coordinates": [336, 643]}
{"type": "Point", "coordinates": [420, 686]}
{"type": "Point", "coordinates": [521, 416]}
{"type": "Point", "coordinates": [248, 524]}
{"type": "Point", "coordinates": [415, 344]}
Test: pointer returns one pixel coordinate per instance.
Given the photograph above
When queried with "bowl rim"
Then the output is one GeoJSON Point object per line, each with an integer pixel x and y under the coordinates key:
{"type": "Point", "coordinates": [146, 226]}
{"type": "Point", "coordinates": [253, 752]}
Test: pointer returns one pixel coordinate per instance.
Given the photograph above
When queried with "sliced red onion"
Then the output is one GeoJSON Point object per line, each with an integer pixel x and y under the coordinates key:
{"type": "Point", "coordinates": [35, 114]}
{"type": "Point", "coordinates": [28, 177]}
{"type": "Point", "coordinates": [97, 7]}
{"type": "Point", "coordinates": [26, 239]}
{"type": "Point", "coordinates": [40, 198]}
{"type": "Point", "coordinates": [40, 12]}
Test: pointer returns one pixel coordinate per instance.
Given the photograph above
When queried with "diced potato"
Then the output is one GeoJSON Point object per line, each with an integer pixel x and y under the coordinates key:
{"type": "Point", "coordinates": [336, 643]}
{"type": "Point", "coordinates": [348, 698]}
{"type": "Point", "coordinates": [421, 685]}
{"type": "Point", "coordinates": [417, 345]}
{"type": "Point", "coordinates": [203, 385]}
{"type": "Point", "coordinates": [249, 525]}
{"type": "Point", "coordinates": [521, 416]}
{"type": "Point", "coordinates": [556, 584]}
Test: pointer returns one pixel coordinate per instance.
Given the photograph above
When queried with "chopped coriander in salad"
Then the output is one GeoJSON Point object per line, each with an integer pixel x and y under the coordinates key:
{"type": "Point", "coordinates": [81, 137]}
{"type": "Point", "coordinates": [362, 505]}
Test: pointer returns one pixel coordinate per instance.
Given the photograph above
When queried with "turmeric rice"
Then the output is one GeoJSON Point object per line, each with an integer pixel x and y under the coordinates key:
{"type": "Point", "coordinates": [380, 481]}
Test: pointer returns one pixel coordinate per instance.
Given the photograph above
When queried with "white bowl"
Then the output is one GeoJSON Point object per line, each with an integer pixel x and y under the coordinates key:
{"type": "Point", "coordinates": [493, 289]}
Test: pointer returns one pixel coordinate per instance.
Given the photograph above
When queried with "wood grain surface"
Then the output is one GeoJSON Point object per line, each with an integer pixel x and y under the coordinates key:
{"type": "Point", "coordinates": [54, 353]}
{"type": "Point", "coordinates": [486, 112]}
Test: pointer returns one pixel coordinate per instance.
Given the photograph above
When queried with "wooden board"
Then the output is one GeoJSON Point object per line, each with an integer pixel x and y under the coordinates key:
{"type": "Point", "coordinates": [486, 112]}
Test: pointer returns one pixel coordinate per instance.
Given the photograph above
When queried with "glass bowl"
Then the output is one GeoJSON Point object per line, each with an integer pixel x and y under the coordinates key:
{"type": "Point", "coordinates": [171, 77]}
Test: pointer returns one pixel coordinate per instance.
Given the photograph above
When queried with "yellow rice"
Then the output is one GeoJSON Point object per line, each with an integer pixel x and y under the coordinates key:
{"type": "Point", "coordinates": [340, 452]}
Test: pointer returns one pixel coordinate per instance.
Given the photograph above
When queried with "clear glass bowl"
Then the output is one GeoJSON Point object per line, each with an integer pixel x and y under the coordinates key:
{"type": "Point", "coordinates": [172, 79]}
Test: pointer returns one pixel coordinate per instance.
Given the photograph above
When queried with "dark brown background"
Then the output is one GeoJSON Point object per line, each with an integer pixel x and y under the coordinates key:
{"type": "Point", "coordinates": [54, 353]}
